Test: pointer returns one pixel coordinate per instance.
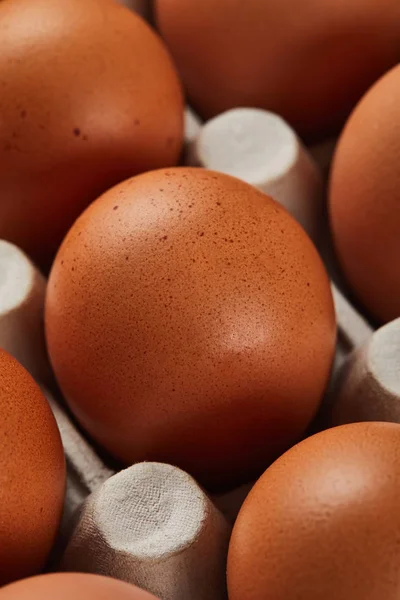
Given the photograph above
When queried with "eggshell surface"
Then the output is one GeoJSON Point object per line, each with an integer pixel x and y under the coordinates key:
{"type": "Point", "coordinates": [32, 473]}
{"type": "Point", "coordinates": [308, 61]}
{"type": "Point", "coordinates": [365, 199]}
{"type": "Point", "coordinates": [88, 97]}
{"type": "Point", "coordinates": [323, 521]}
{"type": "Point", "coordinates": [65, 586]}
{"type": "Point", "coordinates": [190, 321]}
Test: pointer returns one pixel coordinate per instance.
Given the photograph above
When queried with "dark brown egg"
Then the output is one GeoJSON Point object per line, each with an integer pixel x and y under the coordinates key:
{"type": "Point", "coordinates": [323, 521]}
{"type": "Point", "coordinates": [190, 320]}
{"type": "Point", "coordinates": [88, 97]}
{"type": "Point", "coordinates": [73, 586]}
{"type": "Point", "coordinates": [365, 199]}
{"type": "Point", "coordinates": [307, 60]}
{"type": "Point", "coordinates": [32, 473]}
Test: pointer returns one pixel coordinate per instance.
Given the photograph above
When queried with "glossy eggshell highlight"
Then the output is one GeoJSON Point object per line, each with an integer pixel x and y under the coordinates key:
{"type": "Point", "coordinates": [365, 199]}
{"type": "Point", "coordinates": [73, 586]}
{"type": "Point", "coordinates": [88, 97]}
{"type": "Point", "coordinates": [307, 60]}
{"type": "Point", "coordinates": [189, 320]}
{"type": "Point", "coordinates": [32, 473]}
{"type": "Point", "coordinates": [323, 521]}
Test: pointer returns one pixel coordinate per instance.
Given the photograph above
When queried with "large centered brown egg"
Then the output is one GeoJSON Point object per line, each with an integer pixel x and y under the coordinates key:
{"type": "Point", "coordinates": [190, 320]}
{"type": "Point", "coordinates": [32, 473]}
{"type": "Point", "coordinates": [365, 199]}
{"type": "Point", "coordinates": [88, 97]}
{"type": "Point", "coordinates": [307, 60]}
{"type": "Point", "coordinates": [323, 521]}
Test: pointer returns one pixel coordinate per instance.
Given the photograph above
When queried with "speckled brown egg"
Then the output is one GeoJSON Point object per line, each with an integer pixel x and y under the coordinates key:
{"type": "Point", "coordinates": [323, 521]}
{"type": "Point", "coordinates": [77, 586]}
{"type": "Point", "coordinates": [88, 97]}
{"type": "Point", "coordinates": [365, 199]}
{"type": "Point", "coordinates": [32, 473]}
{"type": "Point", "coordinates": [307, 60]}
{"type": "Point", "coordinates": [190, 320]}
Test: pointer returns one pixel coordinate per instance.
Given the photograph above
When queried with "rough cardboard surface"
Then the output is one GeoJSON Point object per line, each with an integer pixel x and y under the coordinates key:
{"type": "Point", "coordinates": [22, 292]}
{"type": "Point", "coordinates": [369, 388]}
{"type": "Point", "coordinates": [153, 526]}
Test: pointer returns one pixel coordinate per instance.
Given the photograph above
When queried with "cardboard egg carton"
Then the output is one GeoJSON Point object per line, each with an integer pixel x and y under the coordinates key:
{"type": "Point", "coordinates": [152, 524]}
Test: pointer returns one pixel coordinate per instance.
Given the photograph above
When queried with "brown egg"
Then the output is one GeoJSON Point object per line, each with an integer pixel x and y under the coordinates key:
{"type": "Point", "coordinates": [32, 473]}
{"type": "Point", "coordinates": [323, 523]}
{"type": "Point", "coordinates": [190, 321]}
{"type": "Point", "coordinates": [365, 199]}
{"type": "Point", "coordinates": [88, 97]}
{"type": "Point", "coordinates": [307, 60]}
{"type": "Point", "coordinates": [73, 586]}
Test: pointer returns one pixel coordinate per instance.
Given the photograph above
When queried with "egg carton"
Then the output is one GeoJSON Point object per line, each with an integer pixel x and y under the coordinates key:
{"type": "Point", "coordinates": [152, 524]}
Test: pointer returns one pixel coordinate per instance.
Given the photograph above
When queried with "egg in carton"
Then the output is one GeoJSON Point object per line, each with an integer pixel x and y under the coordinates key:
{"type": "Point", "coordinates": [152, 524]}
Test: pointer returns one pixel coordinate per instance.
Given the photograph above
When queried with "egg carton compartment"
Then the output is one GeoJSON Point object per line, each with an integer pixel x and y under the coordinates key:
{"type": "Point", "coordinates": [152, 524]}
